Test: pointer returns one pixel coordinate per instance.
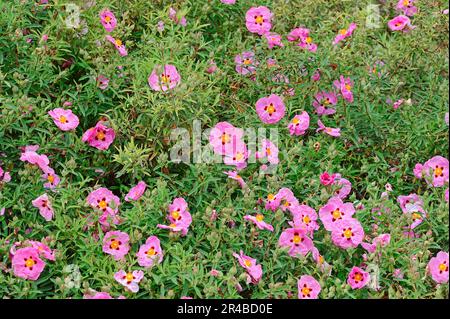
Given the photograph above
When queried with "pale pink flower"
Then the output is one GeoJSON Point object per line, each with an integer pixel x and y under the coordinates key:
{"type": "Point", "coordinates": [29, 155]}
{"type": "Point", "coordinates": [345, 86]}
{"type": "Point", "coordinates": [164, 78]}
{"type": "Point", "coordinates": [26, 263]}
{"type": "Point", "coordinates": [344, 33]}
{"type": "Point", "coordinates": [358, 278]}
{"type": "Point", "coordinates": [270, 109]}
{"type": "Point", "coordinates": [234, 175]}
{"type": "Point", "coordinates": [258, 220]}
{"type": "Point", "coordinates": [407, 6]}
{"type": "Point", "coordinates": [324, 103]}
{"type": "Point", "coordinates": [269, 150]}
{"type": "Point", "coordinates": [246, 63]}
{"type": "Point", "coordinates": [43, 250]}
{"type": "Point", "coordinates": [327, 179]}
{"type": "Point", "coordinates": [435, 171]}
{"type": "Point", "coordinates": [438, 267]}
{"type": "Point", "coordinates": [118, 45]}
{"type": "Point", "coordinates": [299, 124]}
{"type": "Point", "coordinates": [334, 211]}
{"type": "Point", "coordinates": [347, 233]}
{"type": "Point", "coordinates": [238, 157]}
{"type": "Point", "coordinates": [99, 136]}
{"type": "Point", "coordinates": [150, 253]}
{"type": "Point", "coordinates": [344, 186]}
{"type": "Point", "coordinates": [308, 287]}
{"type": "Point", "coordinates": [136, 192]}
{"type": "Point", "coordinates": [302, 38]}
{"type": "Point", "coordinates": [179, 217]}
{"type": "Point", "coordinates": [51, 177]}
{"type": "Point", "coordinates": [103, 82]}
{"type": "Point", "coordinates": [45, 207]}
{"type": "Point", "coordinates": [108, 20]}
{"type": "Point", "coordinates": [296, 240]}
{"type": "Point", "coordinates": [401, 23]}
{"type": "Point", "coordinates": [225, 138]}
{"type": "Point", "coordinates": [258, 20]}
{"type": "Point", "coordinates": [305, 217]}
{"type": "Point", "coordinates": [380, 241]}
{"type": "Point", "coordinates": [249, 264]}
{"type": "Point", "coordinates": [64, 119]}
{"type": "Point", "coordinates": [273, 40]}
{"type": "Point", "coordinates": [335, 132]}
{"type": "Point", "coordinates": [129, 280]}
{"type": "Point", "coordinates": [115, 243]}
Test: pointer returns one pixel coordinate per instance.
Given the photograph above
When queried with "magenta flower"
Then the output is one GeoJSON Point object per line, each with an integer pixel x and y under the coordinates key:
{"type": "Point", "coordinates": [129, 280]}
{"type": "Point", "coordinates": [438, 267]}
{"type": "Point", "coordinates": [29, 155]}
{"type": "Point", "coordinates": [299, 124]}
{"type": "Point", "coordinates": [380, 241]}
{"type": "Point", "coordinates": [334, 211]}
{"type": "Point", "coordinates": [254, 270]}
{"type": "Point", "coordinates": [400, 23]}
{"type": "Point", "coordinates": [324, 102]}
{"type": "Point", "coordinates": [179, 217]}
{"type": "Point", "coordinates": [273, 40]}
{"type": "Point", "coordinates": [136, 192]}
{"type": "Point", "coordinates": [296, 240]}
{"type": "Point", "coordinates": [108, 20]}
{"type": "Point", "coordinates": [336, 132]}
{"type": "Point", "coordinates": [115, 243]}
{"type": "Point", "coordinates": [246, 63]}
{"type": "Point", "coordinates": [163, 80]}
{"type": "Point", "coordinates": [306, 217]}
{"type": "Point", "coordinates": [26, 263]}
{"type": "Point", "coordinates": [258, 20]}
{"type": "Point", "coordinates": [99, 136]}
{"type": "Point", "coordinates": [269, 150]}
{"type": "Point", "coordinates": [407, 6]}
{"type": "Point", "coordinates": [50, 176]}
{"type": "Point", "coordinates": [344, 186]}
{"type": "Point", "coordinates": [344, 33]}
{"type": "Point", "coordinates": [238, 157]}
{"type": "Point", "coordinates": [345, 86]}
{"type": "Point", "coordinates": [225, 138]}
{"type": "Point", "coordinates": [435, 171]}
{"type": "Point", "coordinates": [270, 109]}
{"type": "Point", "coordinates": [358, 278]}
{"type": "Point", "coordinates": [118, 45]}
{"type": "Point", "coordinates": [150, 253]}
{"type": "Point", "coordinates": [64, 119]}
{"type": "Point", "coordinates": [234, 175]}
{"type": "Point", "coordinates": [258, 220]}
{"type": "Point", "coordinates": [308, 287]}
{"type": "Point", "coordinates": [347, 233]}
{"type": "Point", "coordinates": [302, 38]}
{"type": "Point", "coordinates": [45, 207]}
{"type": "Point", "coordinates": [327, 179]}
{"type": "Point", "coordinates": [103, 82]}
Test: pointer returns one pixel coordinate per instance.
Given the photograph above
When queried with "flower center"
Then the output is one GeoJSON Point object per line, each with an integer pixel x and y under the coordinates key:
{"type": "Point", "coordinates": [268, 151]}
{"type": "Point", "coordinates": [225, 138]}
{"type": "Point", "coordinates": [348, 233]}
{"type": "Point", "coordinates": [309, 40]}
{"type": "Point", "coordinates": [271, 197]}
{"type": "Point", "coordinates": [103, 204]}
{"type": "Point", "coordinates": [247, 262]}
{"type": "Point", "coordinates": [306, 219]}
{"type": "Point", "coordinates": [51, 178]}
{"type": "Point", "coordinates": [118, 42]}
{"type": "Point", "coordinates": [406, 3]}
{"type": "Point", "coordinates": [107, 18]}
{"type": "Point", "coordinates": [100, 135]}
{"type": "Point", "coordinates": [175, 214]}
{"type": "Point", "coordinates": [296, 121]}
{"type": "Point", "coordinates": [326, 101]}
{"type": "Point", "coordinates": [151, 252]}
{"type": "Point", "coordinates": [259, 19]}
{"type": "Point", "coordinates": [442, 267]}
{"type": "Point", "coordinates": [129, 277]}
{"type": "Point", "coordinates": [63, 119]}
{"type": "Point", "coordinates": [297, 239]}
{"type": "Point", "coordinates": [343, 31]}
{"type": "Point", "coordinates": [358, 277]}
{"type": "Point", "coordinates": [29, 263]}
{"type": "Point", "coordinates": [397, 24]}
{"type": "Point", "coordinates": [165, 78]}
{"type": "Point", "coordinates": [114, 244]}
{"type": "Point", "coordinates": [336, 214]}
{"type": "Point", "coordinates": [239, 156]}
{"type": "Point", "coordinates": [247, 61]}
{"type": "Point", "coordinates": [321, 259]}
{"type": "Point", "coordinates": [259, 217]}
{"type": "Point", "coordinates": [416, 216]}
{"type": "Point", "coordinates": [306, 290]}
{"type": "Point", "coordinates": [328, 129]}
{"type": "Point", "coordinates": [173, 225]}
{"type": "Point", "coordinates": [348, 87]}
{"type": "Point", "coordinates": [270, 109]}
{"type": "Point", "coordinates": [438, 171]}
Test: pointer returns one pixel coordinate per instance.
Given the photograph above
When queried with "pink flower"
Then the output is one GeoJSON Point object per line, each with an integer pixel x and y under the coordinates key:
{"type": "Point", "coordinates": [438, 267]}
{"type": "Point", "coordinates": [29, 155]}
{"type": "Point", "coordinates": [435, 171]}
{"type": "Point", "coordinates": [4, 176]}
{"type": "Point", "coordinates": [397, 104]}
{"type": "Point", "coordinates": [270, 109]}
{"type": "Point", "coordinates": [212, 67]}
{"type": "Point", "coordinates": [358, 278]}
{"type": "Point", "coordinates": [225, 138]}
{"type": "Point", "coordinates": [234, 175]}
{"type": "Point", "coordinates": [446, 118]}
{"type": "Point", "coordinates": [323, 103]}
{"type": "Point", "coordinates": [336, 132]}
{"type": "Point", "coordinates": [108, 20]}
{"type": "Point", "coordinates": [178, 20]}
{"type": "Point", "coordinates": [344, 33]}
{"type": "Point", "coordinates": [381, 241]}
{"type": "Point", "coordinates": [150, 253]}
{"type": "Point", "coordinates": [238, 157]}
{"type": "Point", "coordinates": [99, 136]}
{"type": "Point", "coordinates": [103, 82]}
{"type": "Point", "coordinates": [273, 202]}
{"type": "Point", "coordinates": [100, 295]}
{"type": "Point", "coordinates": [258, 220]}
{"type": "Point", "coordinates": [26, 263]}
{"type": "Point", "coordinates": [407, 6]}
{"type": "Point", "coordinates": [446, 195]}
{"type": "Point", "coordinates": [344, 186]}
{"type": "Point", "coordinates": [118, 44]}
{"type": "Point", "coordinates": [299, 124]}
{"type": "Point", "coordinates": [2, 211]}
{"type": "Point", "coordinates": [228, 1]}
{"type": "Point", "coordinates": [327, 179]}
{"type": "Point", "coordinates": [64, 119]}
{"type": "Point", "coordinates": [273, 40]}
{"type": "Point", "coordinates": [316, 75]}
{"type": "Point", "coordinates": [160, 26]}
{"type": "Point", "coordinates": [301, 36]}
{"type": "Point", "coordinates": [129, 280]}
{"type": "Point", "coordinates": [308, 287]}
{"type": "Point", "coordinates": [412, 205]}
{"type": "Point", "coordinates": [115, 243]}
{"type": "Point", "coordinates": [347, 233]}
{"type": "Point", "coordinates": [163, 80]}
{"type": "Point", "coordinates": [398, 273]}
{"type": "Point", "coordinates": [45, 207]}
{"type": "Point", "coordinates": [179, 217]}
{"type": "Point", "coordinates": [345, 85]}
{"type": "Point", "coordinates": [43, 250]}
{"type": "Point", "coordinates": [296, 240]}
{"type": "Point", "coordinates": [105, 201]}
{"type": "Point", "coordinates": [136, 192]}
{"type": "Point", "coordinates": [287, 200]}
{"type": "Point", "coordinates": [334, 211]}
{"type": "Point", "coordinates": [305, 216]}
{"type": "Point", "coordinates": [400, 23]}
{"type": "Point", "coordinates": [246, 63]}
{"type": "Point", "coordinates": [50, 176]}
{"type": "Point", "coordinates": [258, 20]}
{"type": "Point", "coordinates": [254, 271]}
{"type": "Point", "coordinates": [269, 150]}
